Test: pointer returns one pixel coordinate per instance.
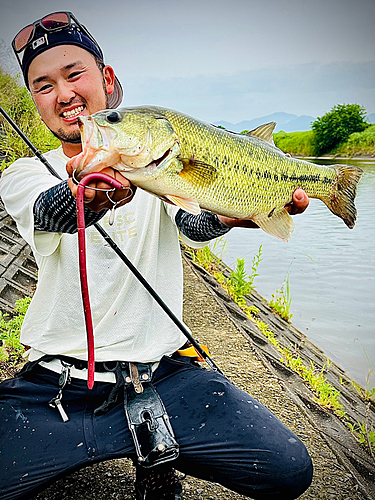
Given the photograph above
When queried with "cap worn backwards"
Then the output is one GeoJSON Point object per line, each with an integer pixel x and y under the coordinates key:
{"type": "Point", "coordinates": [69, 36]}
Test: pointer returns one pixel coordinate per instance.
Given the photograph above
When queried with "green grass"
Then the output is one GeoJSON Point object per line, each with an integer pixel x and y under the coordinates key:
{"type": "Point", "coordinates": [359, 143]}
{"type": "Point", "coordinates": [282, 300]}
{"type": "Point", "coordinates": [17, 102]}
{"type": "Point", "coordinates": [326, 395]}
{"type": "Point", "coordinates": [364, 434]}
{"type": "Point", "coordinates": [303, 144]}
{"type": "Point", "coordinates": [239, 282]}
{"type": "Point", "coordinates": [295, 143]}
{"type": "Point", "coordinates": [204, 257]}
{"type": "Point", "coordinates": [10, 328]}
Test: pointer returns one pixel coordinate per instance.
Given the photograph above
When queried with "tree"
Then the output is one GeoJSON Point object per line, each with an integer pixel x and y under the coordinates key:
{"type": "Point", "coordinates": [336, 126]}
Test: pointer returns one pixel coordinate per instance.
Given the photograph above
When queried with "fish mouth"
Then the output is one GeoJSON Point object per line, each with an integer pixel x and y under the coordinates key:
{"type": "Point", "coordinates": [94, 137]}
{"type": "Point", "coordinates": [98, 150]}
{"type": "Point", "coordinates": [96, 147]}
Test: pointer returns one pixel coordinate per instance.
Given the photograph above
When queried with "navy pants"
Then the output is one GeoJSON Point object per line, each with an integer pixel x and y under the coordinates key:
{"type": "Point", "coordinates": [224, 434]}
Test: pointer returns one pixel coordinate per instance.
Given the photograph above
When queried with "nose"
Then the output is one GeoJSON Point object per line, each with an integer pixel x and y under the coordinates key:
{"type": "Point", "coordinates": [65, 93]}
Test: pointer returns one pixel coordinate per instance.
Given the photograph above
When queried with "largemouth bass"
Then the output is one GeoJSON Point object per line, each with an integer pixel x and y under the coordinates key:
{"type": "Point", "coordinates": [197, 166]}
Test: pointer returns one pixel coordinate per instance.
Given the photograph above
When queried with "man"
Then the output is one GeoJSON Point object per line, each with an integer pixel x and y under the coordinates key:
{"type": "Point", "coordinates": [149, 403]}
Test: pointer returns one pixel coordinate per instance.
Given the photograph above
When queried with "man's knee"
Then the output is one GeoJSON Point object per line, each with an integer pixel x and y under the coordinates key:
{"type": "Point", "coordinates": [286, 479]}
{"type": "Point", "coordinates": [291, 485]}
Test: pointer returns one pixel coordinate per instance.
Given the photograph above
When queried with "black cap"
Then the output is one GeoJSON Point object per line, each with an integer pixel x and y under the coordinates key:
{"type": "Point", "coordinates": [72, 35]}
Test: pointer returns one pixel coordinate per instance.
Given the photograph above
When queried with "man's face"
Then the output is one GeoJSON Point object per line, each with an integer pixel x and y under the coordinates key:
{"type": "Point", "coordinates": [65, 82]}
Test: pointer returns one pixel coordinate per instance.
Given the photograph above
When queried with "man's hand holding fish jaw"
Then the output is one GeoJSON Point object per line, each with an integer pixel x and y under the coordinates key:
{"type": "Point", "coordinates": [98, 200]}
{"type": "Point", "coordinates": [298, 206]}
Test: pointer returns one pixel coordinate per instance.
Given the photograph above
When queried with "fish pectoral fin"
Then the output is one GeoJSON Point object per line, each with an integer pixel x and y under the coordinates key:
{"type": "Point", "coordinates": [280, 224]}
{"type": "Point", "coordinates": [190, 206]}
{"type": "Point", "coordinates": [197, 172]}
{"type": "Point", "coordinates": [264, 132]}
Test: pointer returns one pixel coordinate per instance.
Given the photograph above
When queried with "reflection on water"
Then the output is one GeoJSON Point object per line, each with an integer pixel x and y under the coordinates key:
{"type": "Point", "coordinates": [332, 276]}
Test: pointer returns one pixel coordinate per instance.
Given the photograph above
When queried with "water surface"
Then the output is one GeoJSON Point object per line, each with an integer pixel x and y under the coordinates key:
{"type": "Point", "coordinates": [332, 276]}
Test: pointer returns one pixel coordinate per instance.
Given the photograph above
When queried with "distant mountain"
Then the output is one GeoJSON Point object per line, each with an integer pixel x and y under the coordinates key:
{"type": "Point", "coordinates": [301, 123]}
{"type": "Point", "coordinates": [285, 121]}
{"type": "Point", "coordinates": [370, 117]}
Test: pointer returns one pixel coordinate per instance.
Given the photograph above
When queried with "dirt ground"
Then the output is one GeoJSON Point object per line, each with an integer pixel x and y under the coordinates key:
{"type": "Point", "coordinates": [237, 359]}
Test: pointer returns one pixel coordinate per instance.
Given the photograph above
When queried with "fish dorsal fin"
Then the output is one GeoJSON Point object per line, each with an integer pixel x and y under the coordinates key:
{"type": "Point", "coordinates": [190, 206]}
{"type": "Point", "coordinates": [197, 172]}
{"type": "Point", "coordinates": [264, 132]}
{"type": "Point", "coordinates": [279, 224]}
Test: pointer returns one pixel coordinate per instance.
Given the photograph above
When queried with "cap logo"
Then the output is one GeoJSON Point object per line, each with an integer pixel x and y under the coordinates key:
{"type": "Point", "coordinates": [40, 41]}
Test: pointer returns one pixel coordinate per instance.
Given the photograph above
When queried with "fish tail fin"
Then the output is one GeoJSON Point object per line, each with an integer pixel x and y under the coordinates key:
{"type": "Point", "coordinates": [341, 201]}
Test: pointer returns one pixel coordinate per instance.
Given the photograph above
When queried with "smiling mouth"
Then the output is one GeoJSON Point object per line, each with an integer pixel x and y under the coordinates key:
{"type": "Point", "coordinates": [73, 112]}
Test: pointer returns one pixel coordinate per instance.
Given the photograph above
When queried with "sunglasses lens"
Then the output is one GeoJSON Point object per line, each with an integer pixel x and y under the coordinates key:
{"type": "Point", "coordinates": [57, 20]}
{"type": "Point", "coordinates": [23, 37]}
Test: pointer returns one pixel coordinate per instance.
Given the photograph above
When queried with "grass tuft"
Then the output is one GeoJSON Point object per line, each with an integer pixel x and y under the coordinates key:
{"type": "Point", "coordinates": [282, 300]}
{"type": "Point", "coordinates": [17, 102]}
{"type": "Point", "coordinates": [11, 348]}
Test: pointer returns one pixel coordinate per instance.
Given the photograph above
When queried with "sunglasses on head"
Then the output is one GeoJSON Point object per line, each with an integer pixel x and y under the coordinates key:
{"type": "Point", "coordinates": [52, 22]}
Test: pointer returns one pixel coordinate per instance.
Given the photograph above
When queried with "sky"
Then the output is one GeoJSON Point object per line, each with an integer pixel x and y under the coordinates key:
{"type": "Point", "coordinates": [229, 60]}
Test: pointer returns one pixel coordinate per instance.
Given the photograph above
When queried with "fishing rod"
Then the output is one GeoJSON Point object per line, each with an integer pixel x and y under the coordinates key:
{"type": "Point", "coordinates": [119, 252]}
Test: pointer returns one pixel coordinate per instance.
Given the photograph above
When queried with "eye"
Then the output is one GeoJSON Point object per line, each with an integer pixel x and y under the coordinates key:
{"type": "Point", "coordinates": [43, 89]}
{"type": "Point", "coordinates": [74, 75]}
{"type": "Point", "coordinates": [113, 117]}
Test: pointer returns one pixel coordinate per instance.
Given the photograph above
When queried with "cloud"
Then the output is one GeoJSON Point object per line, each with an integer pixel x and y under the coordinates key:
{"type": "Point", "coordinates": [311, 89]}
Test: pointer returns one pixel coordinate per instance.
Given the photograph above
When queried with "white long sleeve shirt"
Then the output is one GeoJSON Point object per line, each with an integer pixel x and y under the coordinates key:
{"type": "Point", "coordinates": [128, 324]}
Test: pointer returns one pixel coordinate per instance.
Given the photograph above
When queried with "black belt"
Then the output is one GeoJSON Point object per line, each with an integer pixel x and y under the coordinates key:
{"type": "Point", "coordinates": [81, 364]}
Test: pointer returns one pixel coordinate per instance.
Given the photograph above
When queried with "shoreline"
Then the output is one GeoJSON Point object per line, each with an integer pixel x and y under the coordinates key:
{"type": "Point", "coordinates": [342, 469]}
{"type": "Point", "coordinates": [335, 157]}
{"type": "Point", "coordinates": [274, 374]}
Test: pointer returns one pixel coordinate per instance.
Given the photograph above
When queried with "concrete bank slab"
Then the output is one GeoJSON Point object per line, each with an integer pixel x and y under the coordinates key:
{"type": "Point", "coordinates": [326, 426]}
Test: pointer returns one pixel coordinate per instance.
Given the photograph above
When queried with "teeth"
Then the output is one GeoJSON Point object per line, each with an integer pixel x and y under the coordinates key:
{"type": "Point", "coordinates": [73, 112]}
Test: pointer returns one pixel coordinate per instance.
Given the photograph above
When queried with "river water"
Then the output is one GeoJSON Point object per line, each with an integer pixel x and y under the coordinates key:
{"type": "Point", "coordinates": [331, 276]}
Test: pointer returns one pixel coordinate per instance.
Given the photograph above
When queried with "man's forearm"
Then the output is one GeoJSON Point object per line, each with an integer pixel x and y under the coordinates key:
{"type": "Point", "coordinates": [55, 211]}
{"type": "Point", "coordinates": [203, 227]}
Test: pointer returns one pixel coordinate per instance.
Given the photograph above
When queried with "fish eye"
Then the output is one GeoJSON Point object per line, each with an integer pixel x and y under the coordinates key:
{"type": "Point", "coordinates": [113, 117]}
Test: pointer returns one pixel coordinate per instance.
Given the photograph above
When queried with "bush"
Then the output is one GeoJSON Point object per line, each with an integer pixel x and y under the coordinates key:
{"type": "Point", "coordinates": [295, 143]}
{"type": "Point", "coordinates": [337, 125]}
{"type": "Point", "coordinates": [359, 143]}
{"type": "Point", "coordinates": [18, 103]}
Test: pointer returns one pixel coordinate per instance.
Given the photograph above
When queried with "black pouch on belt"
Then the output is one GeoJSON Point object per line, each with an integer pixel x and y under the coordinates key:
{"type": "Point", "coordinates": [147, 417]}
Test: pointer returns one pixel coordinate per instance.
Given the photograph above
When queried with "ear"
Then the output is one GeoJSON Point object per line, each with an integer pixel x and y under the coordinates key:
{"type": "Point", "coordinates": [109, 78]}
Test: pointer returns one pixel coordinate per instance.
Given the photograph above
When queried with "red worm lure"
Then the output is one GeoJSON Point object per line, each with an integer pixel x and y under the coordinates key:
{"type": "Point", "coordinates": [83, 266]}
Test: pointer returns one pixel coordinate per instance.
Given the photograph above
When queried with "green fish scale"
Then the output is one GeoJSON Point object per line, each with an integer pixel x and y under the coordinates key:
{"type": "Point", "coordinates": [255, 173]}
